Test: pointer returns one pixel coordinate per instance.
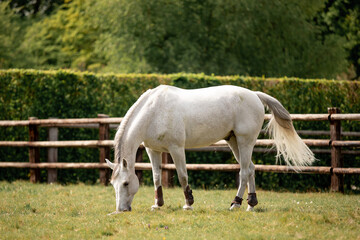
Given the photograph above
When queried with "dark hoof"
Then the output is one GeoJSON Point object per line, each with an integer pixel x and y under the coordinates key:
{"type": "Point", "coordinates": [237, 200]}
{"type": "Point", "coordinates": [188, 196]}
{"type": "Point", "coordinates": [159, 196]}
{"type": "Point", "coordinates": [252, 200]}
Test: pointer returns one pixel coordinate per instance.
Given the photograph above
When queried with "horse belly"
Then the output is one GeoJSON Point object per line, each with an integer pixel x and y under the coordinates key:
{"type": "Point", "coordinates": [204, 140]}
{"type": "Point", "coordinates": [208, 127]}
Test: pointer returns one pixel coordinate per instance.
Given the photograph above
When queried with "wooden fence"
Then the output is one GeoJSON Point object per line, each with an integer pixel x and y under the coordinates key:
{"type": "Point", "coordinates": [104, 123]}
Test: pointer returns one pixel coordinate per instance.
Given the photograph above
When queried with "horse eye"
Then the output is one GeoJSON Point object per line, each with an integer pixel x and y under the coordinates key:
{"type": "Point", "coordinates": [126, 184]}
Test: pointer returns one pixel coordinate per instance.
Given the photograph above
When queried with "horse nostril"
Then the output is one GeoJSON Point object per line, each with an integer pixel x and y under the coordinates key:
{"type": "Point", "coordinates": [126, 209]}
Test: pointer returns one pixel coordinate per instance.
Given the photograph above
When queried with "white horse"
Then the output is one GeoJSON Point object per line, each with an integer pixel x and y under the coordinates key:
{"type": "Point", "coordinates": [170, 119]}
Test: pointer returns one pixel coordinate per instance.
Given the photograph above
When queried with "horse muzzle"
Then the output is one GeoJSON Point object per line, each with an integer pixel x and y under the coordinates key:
{"type": "Point", "coordinates": [127, 209]}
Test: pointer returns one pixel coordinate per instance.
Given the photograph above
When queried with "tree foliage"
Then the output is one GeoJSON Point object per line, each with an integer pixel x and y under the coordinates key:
{"type": "Point", "coordinates": [272, 38]}
{"type": "Point", "coordinates": [342, 17]}
{"type": "Point", "coordinates": [33, 7]}
{"type": "Point", "coordinates": [64, 39]}
{"type": "Point", "coordinates": [10, 35]}
{"type": "Point", "coordinates": [224, 37]}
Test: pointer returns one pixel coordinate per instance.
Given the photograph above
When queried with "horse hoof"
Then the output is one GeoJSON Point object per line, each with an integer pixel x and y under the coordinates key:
{"type": "Point", "coordinates": [252, 200]}
{"type": "Point", "coordinates": [155, 207]}
{"type": "Point", "coordinates": [187, 207]}
{"type": "Point", "coordinates": [250, 208]}
{"type": "Point", "coordinates": [234, 206]}
{"type": "Point", "coordinates": [113, 213]}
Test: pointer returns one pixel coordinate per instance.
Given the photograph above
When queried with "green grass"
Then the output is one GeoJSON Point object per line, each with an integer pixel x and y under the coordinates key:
{"type": "Point", "coordinates": [40, 211]}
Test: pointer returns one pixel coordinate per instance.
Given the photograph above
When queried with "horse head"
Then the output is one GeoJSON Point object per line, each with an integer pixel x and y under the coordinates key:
{"type": "Point", "coordinates": [125, 183]}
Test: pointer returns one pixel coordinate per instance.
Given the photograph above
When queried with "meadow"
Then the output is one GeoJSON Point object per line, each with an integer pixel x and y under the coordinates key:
{"type": "Point", "coordinates": [79, 211]}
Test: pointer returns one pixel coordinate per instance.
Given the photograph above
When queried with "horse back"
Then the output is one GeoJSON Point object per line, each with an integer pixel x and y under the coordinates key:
{"type": "Point", "coordinates": [199, 117]}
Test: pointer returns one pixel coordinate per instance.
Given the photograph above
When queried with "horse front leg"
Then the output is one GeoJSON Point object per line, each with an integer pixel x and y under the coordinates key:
{"type": "Point", "coordinates": [178, 156]}
{"type": "Point", "coordinates": [155, 158]}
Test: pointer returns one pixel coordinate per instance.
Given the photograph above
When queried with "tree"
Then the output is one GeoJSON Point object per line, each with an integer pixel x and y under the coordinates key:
{"type": "Point", "coordinates": [224, 37]}
{"type": "Point", "coordinates": [34, 7]}
{"type": "Point", "coordinates": [64, 39]}
{"type": "Point", "coordinates": [273, 38]}
{"type": "Point", "coordinates": [10, 37]}
{"type": "Point", "coordinates": [342, 17]}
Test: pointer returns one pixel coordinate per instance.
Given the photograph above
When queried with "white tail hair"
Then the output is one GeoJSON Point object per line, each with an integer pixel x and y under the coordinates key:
{"type": "Point", "coordinates": [288, 143]}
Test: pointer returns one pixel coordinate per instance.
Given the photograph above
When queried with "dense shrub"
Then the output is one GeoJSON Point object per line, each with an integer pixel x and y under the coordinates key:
{"type": "Point", "coordinates": [65, 94]}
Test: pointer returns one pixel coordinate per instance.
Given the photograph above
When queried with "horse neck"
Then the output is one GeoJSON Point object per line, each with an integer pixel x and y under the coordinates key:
{"type": "Point", "coordinates": [131, 131]}
{"type": "Point", "coordinates": [133, 137]}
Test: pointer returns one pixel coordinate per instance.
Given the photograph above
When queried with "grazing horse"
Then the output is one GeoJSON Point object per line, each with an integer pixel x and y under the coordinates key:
{"type": "Point", "coordinates": [169, 119]}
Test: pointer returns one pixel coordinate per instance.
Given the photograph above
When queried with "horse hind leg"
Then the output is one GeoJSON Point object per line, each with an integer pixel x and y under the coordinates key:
{"type": "Point", "coordinates": [242, 149]}
{"type": "Point", "coordinates": [236, 203]}
{"type": "Point", "coordinates": [251, 200]}
{"type": "Point", "coordinates": [155, 158]}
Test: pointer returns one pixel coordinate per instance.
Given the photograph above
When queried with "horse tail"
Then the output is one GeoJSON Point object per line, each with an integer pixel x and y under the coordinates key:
{"type": "Point", "coordinates": [280, 128]}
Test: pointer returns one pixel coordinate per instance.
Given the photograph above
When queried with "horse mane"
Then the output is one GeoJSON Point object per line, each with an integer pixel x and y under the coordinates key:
{"type": "Point", "coordinates": [121, 129]}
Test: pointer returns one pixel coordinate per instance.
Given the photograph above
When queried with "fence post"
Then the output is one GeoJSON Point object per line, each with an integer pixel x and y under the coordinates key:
{"type": "Point", "coordinates": [167, 175]}
{"type": "Point", "coordinates": [53, 133]}
{"type": "Point", "coordinates": [104, 151]}
{"type": "Point", "coordinates": [139, 158]}
{"type": "Point", "coordinates": [337, 180]}
{"type": "Point", "coordinates": [34, 152]}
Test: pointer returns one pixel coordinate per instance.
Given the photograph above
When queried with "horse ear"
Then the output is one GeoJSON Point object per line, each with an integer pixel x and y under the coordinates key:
{"type": "Point", "coordinates": [124, 163]}
{"type": "Point", "coordinates": [110, 164]}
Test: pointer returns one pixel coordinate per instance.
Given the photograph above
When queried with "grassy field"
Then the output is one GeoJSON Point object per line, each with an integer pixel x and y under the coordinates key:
{"type": "Point", "coordinates": [40, 211]}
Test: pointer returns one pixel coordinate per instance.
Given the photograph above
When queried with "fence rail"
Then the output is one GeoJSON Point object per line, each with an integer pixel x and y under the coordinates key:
{"type": "Point", "coordinates": [109, 143]}
{"type": "Point", "coordinates": [192, 167]}
{"type": "Point", "coordinates": [104, 123]}
{"type": "Point", "coordinates": [73, 121]}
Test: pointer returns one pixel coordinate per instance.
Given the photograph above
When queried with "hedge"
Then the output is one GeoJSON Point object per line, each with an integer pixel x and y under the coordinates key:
{"type": "Point", "coordinates": [68, 94]}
